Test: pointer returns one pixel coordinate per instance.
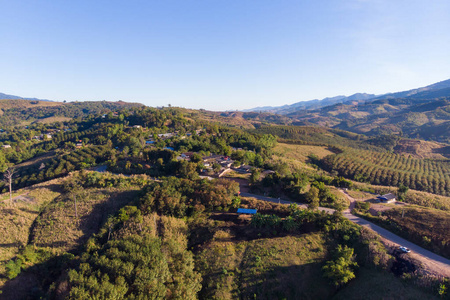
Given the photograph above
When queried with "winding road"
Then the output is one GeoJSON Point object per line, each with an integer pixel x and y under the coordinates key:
{"type": "Point", "coordinates": [434, 263]}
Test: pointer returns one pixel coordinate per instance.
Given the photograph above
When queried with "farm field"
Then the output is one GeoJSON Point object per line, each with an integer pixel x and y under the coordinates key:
{"type": "Point", "coordinates": [391, 170]}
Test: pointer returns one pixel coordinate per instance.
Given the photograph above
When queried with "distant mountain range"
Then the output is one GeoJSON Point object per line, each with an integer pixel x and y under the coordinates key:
{"type": "Point", "coordinates": [436, 90]}
{"type": "Point", "coordinates": [11, 97]}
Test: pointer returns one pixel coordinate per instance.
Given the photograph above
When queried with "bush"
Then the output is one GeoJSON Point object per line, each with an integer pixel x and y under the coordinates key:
{"type": "Point", "coordinates": [362, 206]}
{"type": "Point", "coordinates": [13, 268]}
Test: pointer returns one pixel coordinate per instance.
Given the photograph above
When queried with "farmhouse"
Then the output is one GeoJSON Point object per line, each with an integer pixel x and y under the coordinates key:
{"type": "Point", "coordinates": [387, 198]}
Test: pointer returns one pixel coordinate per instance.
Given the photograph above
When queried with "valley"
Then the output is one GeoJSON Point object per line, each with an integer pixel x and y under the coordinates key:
{"type": "Point", "coordinates": [119, 200]}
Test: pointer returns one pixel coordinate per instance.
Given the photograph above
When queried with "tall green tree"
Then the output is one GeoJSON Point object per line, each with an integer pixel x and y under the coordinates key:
{"type": "Point", "coordinates": [340, 270]}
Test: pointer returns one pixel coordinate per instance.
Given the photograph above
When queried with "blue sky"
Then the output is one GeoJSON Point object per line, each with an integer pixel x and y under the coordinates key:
{"type": "Point", "coordinates": [220, 55]}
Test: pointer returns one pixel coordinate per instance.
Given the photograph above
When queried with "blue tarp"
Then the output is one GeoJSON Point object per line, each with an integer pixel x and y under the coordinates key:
{"type": "Point", "coordinates": [246, 211]}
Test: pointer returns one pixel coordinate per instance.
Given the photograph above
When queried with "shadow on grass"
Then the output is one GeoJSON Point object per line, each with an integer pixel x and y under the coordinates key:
{"type": "Point", "coordinates": [291, 282]}
{"type": "Point", "coordinates": [30, 211]}
{"type": "Point", "coordinates": [91, 223]}
{"type": "Point", "coordinates": [34, 282]}
{"type": "Point", "coordinates": [279, 282]}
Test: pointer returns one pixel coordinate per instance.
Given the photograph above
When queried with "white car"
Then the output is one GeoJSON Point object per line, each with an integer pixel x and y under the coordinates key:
{"type": "Point", "coordinates": [404, 249]}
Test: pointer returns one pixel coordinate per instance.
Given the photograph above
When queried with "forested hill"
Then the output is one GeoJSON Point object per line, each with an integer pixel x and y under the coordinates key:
{"type": "Point", "coordinates": [436, 90]}
{"type": "Point", "coordinates": [419, 113]}
{"type": "Point", "coordinates": [14, 112]}
{"type": "Point", "coordinates": [428, 119]}
{"type": "Point", "coordinates": [6, 96]}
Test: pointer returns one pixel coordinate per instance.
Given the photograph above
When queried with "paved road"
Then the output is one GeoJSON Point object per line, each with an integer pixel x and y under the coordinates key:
{"type": "Point", "coordinates": [436, 262]}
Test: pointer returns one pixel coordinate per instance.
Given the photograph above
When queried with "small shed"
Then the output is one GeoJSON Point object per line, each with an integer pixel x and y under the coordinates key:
{"type": "Point", "coordinates": [248, 211]}
{"type": "Point", "coordinates": [387, 198]}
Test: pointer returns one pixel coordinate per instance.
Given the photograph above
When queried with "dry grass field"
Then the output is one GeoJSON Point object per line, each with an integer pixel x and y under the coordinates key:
{"type": "Point", "coordinates": [58, 228]}
{"type": "Point", "coordinates": [301, 152]}
{"type": "Point", "coordinates": [263, 268]}
{"type": "Point", "coordinates": [412, 197]}
{"type": "Point", "coordinates": [50, 120]}
{"type": "Point", "coordinates": [39, 159]}
{"type": "Point", "coordinates": [427, 226]}
{"type": "Point", "coordinates": [16, 221]}
{"type": "Point", "coordinates": [422, 149]}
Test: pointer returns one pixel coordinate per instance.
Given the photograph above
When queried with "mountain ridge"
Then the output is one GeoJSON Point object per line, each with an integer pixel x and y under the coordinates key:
{"type": "Point", "coordinates": [12, 97]}
{"type": "Point", "coordinates": [418, 93]}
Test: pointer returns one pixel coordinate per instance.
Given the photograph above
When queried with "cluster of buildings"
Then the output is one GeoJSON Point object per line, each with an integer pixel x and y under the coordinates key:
{"type": "Point", "coordinates": [225, 163]}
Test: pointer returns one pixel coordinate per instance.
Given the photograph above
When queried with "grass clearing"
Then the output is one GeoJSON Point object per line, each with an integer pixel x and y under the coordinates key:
{"type": "Point", "coordinates": [430, 227]}
{"type": "Point", "coordinates": [360, 195]}
{"type": "Point", "coordinates": [269, 268]}
{"type": "Point", "coordinates": [412, 196]}
{"type": "Point", "coordinates": [373, 284]}
{"type": "Point", "coordinates": [50, 120]}
{"type": "Point", "coordinates": [58, 228]}
{"type": "Point", "coordinates": [16, 221]}
{"type": "Point", "coordinates": [301, 152]}
{"type": "Point", "coordinates": [40, 159]}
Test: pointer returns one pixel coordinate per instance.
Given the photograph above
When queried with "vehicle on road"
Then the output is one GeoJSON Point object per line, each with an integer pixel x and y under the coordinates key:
{"type": "Point", "coordinates": [404, 249]}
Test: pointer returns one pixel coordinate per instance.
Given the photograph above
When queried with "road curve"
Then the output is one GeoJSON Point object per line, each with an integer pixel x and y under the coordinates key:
{"type": "Point", "coordinates": [436, 262]}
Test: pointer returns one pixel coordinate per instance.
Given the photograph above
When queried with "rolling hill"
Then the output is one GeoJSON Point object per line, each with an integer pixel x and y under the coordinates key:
{"type": "Point", "coordinates": [436, 90]}
{"type": "Point", "coordinates": [418, 113]}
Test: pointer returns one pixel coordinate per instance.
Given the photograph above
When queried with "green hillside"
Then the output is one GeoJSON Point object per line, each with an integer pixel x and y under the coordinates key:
{"type": "Point", "coordinates": [122, 201]}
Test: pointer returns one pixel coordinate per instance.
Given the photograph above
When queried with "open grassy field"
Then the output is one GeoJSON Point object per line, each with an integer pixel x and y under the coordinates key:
{"type": "Point", "coordinates": [412, 196]}
{"type": "Point", "coordinates": [431, 227]}
{"type": "Point", "coordinates": [360, 195]}
{"type": "Point", "coordinates": [58, 228]}
{"type": "Point", "coordinates": [53, 120]}
{"type": "Point", "coordinates": [301, 152]}
{"type": "Point", "coordinates": [371, 284]}
{"type": "Point", "coordinates": [16, 221]}
{"type": "Point", "coordinates": [422, 149]}
{"type": "Point", "coordinates": [37, 160]}
{"type": "Point", "coordinates": [265, 268]}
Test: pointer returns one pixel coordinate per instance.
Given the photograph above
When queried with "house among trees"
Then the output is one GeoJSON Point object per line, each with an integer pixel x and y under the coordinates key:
{"type": "Point", "coordinates": [166, 135]}
{"type": "Point", "coordinates": [6, 146]}
{"type": "Point", "coordinates": [387, 198]}
{"type": "Point", "coordinates": [244, 169]}
{"type": "Point", "coordinates": [187, 155]}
